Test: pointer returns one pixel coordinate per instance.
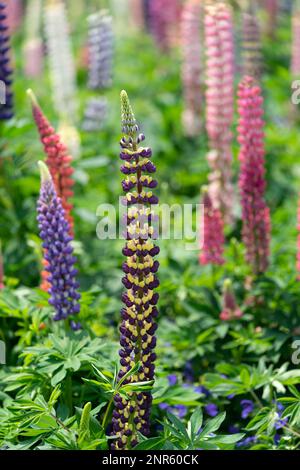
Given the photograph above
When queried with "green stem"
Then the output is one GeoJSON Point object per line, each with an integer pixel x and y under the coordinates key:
{"type": "Point", "coordinates": [107, 412]}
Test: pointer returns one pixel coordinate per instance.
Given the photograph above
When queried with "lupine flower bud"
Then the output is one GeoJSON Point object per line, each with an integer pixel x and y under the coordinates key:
{"type": "Point", "coordinates": [251, 50]}
{"type": "Point", "coordinates": [101, 50]}
{"type": "Point", "coordinates": [164, 18]}
{"type": "Point", "coordinates": [212, 251]}
{"type": "Point", "coordinates": [191, 67]}
{"type": "Point", "coordinates": [220, 104]}
{"type": "Point", "coordinates": [1, 269]}
{"type": "Point", "coordinates": [58, 159]}
{"type": "Point", "coordinates": [55, 233]}
{"type": "Point", "coordinates": [295, 63]}
{"type": "Point", "coordinates": [61, 60]}
{"type": "Point", "coordinates": [6, 109]}
{"type": "Point", "coordinates": [230, 311]}
{"type": "Point", "coordinates": [255, 213]}
{"type": "Point", "coordinates": [138, 325]}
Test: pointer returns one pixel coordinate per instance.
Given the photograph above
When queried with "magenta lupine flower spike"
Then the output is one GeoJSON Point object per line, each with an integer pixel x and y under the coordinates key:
{"type": "Point", "coordinates": [295, 63]}
{"type": "Point", "coordinates": [58, 252]}
{"type": "Point", "coordinates": [255, 213]}
{"type": "Point", "coordinates": [220, 104]}
{"type": "Point", "coordinates": [138, 325]}
{"type": "Point", "coordinates": [213, 243]}
{"type": "Point", "coordinates": [191, 67]}
{"type": "Point", "coordinates": [251, 48]}
{"type": "Point", "coordinates": [231, 310]}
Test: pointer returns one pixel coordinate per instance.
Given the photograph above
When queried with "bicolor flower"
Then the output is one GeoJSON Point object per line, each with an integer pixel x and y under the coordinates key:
{"type": "Point", "coordinates": [6, 109]}
{"type": "Point", "coordinates": [58, 251]}
{"type": "Point", "coordinates": [138, 324]}
{"type": "Point", "coordinates": [255, 213]}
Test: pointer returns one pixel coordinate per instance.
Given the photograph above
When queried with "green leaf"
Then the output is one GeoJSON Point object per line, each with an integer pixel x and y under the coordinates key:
{"type": "Point", "coordinates": [213, 425]}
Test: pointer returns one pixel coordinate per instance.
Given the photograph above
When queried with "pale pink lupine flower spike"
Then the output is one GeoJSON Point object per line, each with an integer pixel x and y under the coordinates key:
{"type": "Point", "coordinates": [255, 213]}
{"type": "Point", "coordinates": [219, 42]}
{"type": "Point", "coordinates": [213, 233]}
{"type": "Point", "coordinates": [191, 73]}
{"type": "Point", "coordinates": [231, 310]}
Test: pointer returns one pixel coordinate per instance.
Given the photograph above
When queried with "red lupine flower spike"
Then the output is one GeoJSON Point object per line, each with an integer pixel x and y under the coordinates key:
{"type": "Point", "coordinates": [231, 310]}
{"type": "Point", "coordinates": [255, 213]}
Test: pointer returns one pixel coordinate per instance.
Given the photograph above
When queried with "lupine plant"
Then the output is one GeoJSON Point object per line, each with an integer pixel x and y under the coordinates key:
{"type": "Point", "coordinates": [255, 213]}
{"type": "Point", "coordinates": [219, 104]}
{"type": "Point", "coordinates": [164, 18]}
{"type": "Point", "coordinates": [58, 158]}
{"type": "Point", "coordinates": [191, 67]}
{"type": "Point", "coordinates": [6, 109]}
{"type": "Point", "coordinates": [55, 233]}
{"type": "Point", "coordinates": [138, 341]}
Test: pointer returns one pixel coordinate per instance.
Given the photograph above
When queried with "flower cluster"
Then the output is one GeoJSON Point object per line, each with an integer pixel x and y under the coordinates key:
{"type": "Point", "coordinates": [295, 62]}
{"type": "Point", "coordinates": [213, 243]}
{"type": "Point", "coordinates": [255, 213]}
{"type": "Point", "coordinates": [14, 14]}
{"type": "Point", "coordinates": [6, 111]}
{"type": "Point", "coordinates": [137, 10]}
{"type": "Point", "coordinates": [231, 309]}
{"type": "Point", "coordinates": [191, 67]}
{"type": "Point", "coordinates": [139, 313]}
{"type": "Point", "coordinates": [164, 17]}
{"type": "Point", "coordinates": [61, 60]}
{"type": "Point", "coordinates": [55, 233]}
{"type": "Point", "coordinates": [251, 50]}
{"type": "Point", "coordinates": [58, 159]}
{"type": "Point", "coordinates": [220, 103]}
{"type": "Point", "coordinates": [101, 50]}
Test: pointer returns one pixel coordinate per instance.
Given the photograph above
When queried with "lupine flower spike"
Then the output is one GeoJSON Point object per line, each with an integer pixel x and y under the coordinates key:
{"type": "Point", "coordinates": [212, 250]}
{"type": "Point", "coordinates": [101, 50]}
{"type": "Point", "coordinates": [14, 14]}
{"type": "Point", "coordinates": [58, 158]}
{"type": "Point", "coordinates": [137, 11]}
{"type": "Point", "coordinates": [191, 67]}
{"type": "Point", "coordinates": [255, 213]}
{"type": "Point", "coordinates": [138, 325]}
{"type": "Point", "coordinates": [251, 50]}
{"type": "Point", "coordinates": [220, 104]}
{"type": "Point", "coordinates": [6, 110]}
{"type": "Point", "coordinates": [272, 9]}
{"type": "Point", "coordinates": [231, 310]}
{"type": "Point", "coordinates": [1, 269]}
{"type": "Point", "coordinates": [55, 233]}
